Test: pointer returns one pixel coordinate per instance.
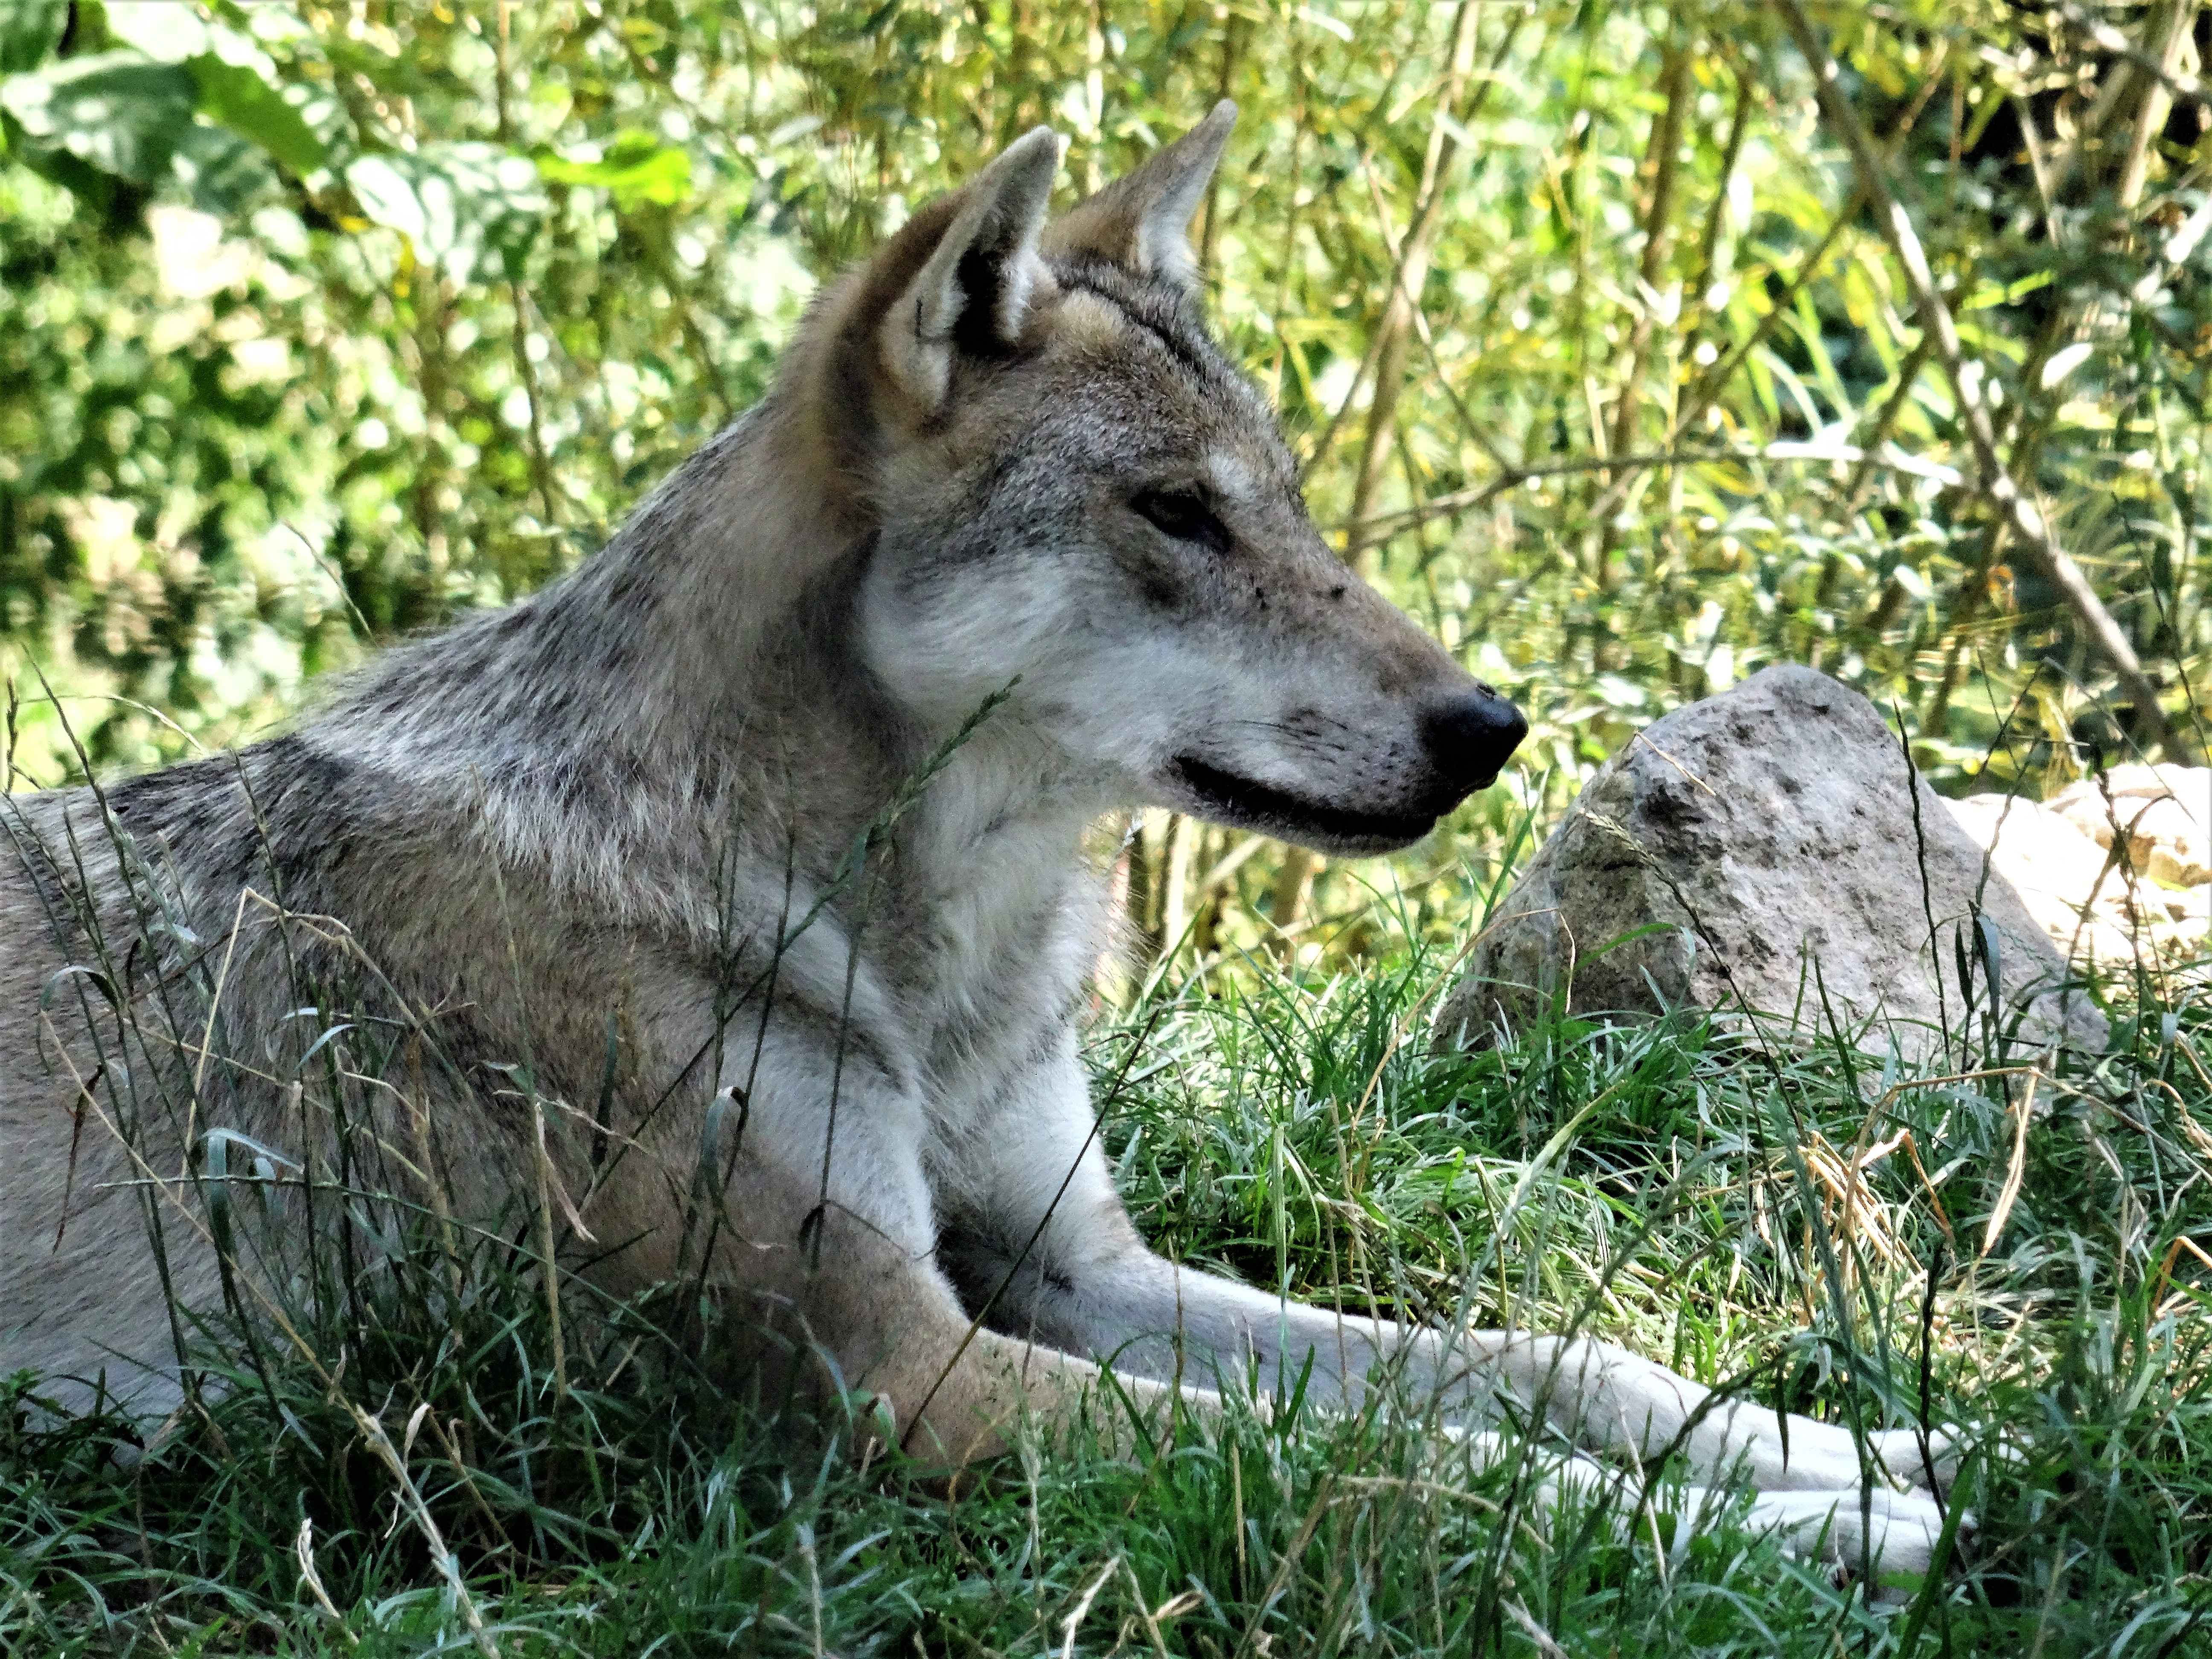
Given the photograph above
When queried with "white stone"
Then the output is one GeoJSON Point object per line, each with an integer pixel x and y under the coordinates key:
{"type": "Point", "coordinates": [2178, 866]}
{"type": "Point", "coordinates": [2058, 873]}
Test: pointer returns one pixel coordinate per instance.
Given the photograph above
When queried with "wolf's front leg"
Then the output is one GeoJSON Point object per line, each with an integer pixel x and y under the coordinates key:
{"type": "Point", "coordinates": [889, 1327]}
{"type": "Point", "coordinates": [1038, 1242]}
{"type": "Point", "coordinates": [1895, 1533]}
{"type": "Point", "coordinates": [823, 1247]}
{"type": "Point", "coordinates": [1037, 1239]}
{"type": "Point", "coordinates": [1608, 1399]}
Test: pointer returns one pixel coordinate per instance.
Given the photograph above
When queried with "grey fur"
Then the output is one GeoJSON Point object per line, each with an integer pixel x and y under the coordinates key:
{"type": "Point", "coordinates": [611, 802]}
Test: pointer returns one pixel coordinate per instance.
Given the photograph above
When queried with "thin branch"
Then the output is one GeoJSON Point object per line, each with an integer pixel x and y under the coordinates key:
{"type": "Point", "coordinates": [1994, 484]}
{"type": "Point", "coordinates": [1380, 526]}
{"type": "Point", "coordinates": [1410, 270]}
{"type": "Point", "coordinates": [2176, 80]}
{"type": "Point", "coordinates": [1746, 97]}
{"type": "Point", "coordinates": [1470, 428]}
{"type": "Point", "coordinates": [1908, 376]}
{"type": "Point", "coordinates": [1409, 274]}
{"type": "Point", "coordinates": [2145, 68]}
{"type": "Point", "coordinates": [1662, 154]}
{"type": "Point", "coordinates": [1705, 392]}
{"type": "Point", "coordinates": [2151, 112]}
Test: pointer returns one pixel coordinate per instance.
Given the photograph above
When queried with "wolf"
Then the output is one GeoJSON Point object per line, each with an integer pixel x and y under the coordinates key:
{"type": "Point", "coordinates": [762, 830]}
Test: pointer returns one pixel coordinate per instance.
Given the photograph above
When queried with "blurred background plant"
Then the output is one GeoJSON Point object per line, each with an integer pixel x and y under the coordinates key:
{"type": "Point", "coordinates": [320, 322]}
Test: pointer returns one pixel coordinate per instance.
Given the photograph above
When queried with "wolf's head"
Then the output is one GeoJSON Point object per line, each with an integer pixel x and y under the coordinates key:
{"type": "Point", "coordinates": [1073, 486]}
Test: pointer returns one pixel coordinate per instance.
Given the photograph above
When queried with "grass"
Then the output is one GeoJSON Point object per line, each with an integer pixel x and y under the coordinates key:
{"type": "Point", "coordinates": [2032, 1269]}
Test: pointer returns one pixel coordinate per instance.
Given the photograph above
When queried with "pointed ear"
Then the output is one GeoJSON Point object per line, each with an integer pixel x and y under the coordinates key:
{"type": "Point", "coordinates": [973, 290]}
{"type": "Point", "coordinates": [1141, 221]}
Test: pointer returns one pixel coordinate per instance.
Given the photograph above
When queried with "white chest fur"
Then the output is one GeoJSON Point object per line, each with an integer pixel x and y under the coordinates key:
{"type": "Point", "coordinates": [1010, 920]}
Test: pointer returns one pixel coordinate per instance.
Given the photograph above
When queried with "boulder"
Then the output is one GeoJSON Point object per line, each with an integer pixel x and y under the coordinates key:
{"type": "Point", "coordinates": [1749, 851]}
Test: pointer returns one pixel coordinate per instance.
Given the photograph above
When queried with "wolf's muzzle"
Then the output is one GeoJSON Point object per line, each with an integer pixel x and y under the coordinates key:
{"type": "Point", "coordinates": [1470, 737]}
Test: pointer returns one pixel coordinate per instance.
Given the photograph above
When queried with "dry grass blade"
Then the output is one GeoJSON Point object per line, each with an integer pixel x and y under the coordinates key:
{"type": "Point", "coordinates": [303, 1547]}
{"type": "Point", "coordinates": [1074, 1620]}
{"type": "Point", "coordinates": [418, 1512]}
{"type": "Point", "coordinates": [2014, 1170]}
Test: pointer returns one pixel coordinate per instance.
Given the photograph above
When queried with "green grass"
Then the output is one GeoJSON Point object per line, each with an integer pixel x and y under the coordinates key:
{"type": "Point", "coordinates": [1297, 1134]}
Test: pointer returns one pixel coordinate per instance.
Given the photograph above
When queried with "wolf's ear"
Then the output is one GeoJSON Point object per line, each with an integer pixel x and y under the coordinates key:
{"type": "Point", "coordinates": [973, 292]}
{"type": "Point", "coordinates": [1140, 221]}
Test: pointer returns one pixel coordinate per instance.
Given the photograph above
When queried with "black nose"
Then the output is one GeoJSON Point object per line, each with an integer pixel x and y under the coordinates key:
{"type": "Point", "coordinates": [1470, 738]}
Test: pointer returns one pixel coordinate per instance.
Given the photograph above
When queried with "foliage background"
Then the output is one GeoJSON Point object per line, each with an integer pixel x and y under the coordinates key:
{"type": "Point", "coordinates": [320, 322]}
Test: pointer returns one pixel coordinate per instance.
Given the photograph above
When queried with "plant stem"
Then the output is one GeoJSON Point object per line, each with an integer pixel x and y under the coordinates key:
{"type": "Point", "coordinates": [1662, 162]}
{"type": "Point", "coordinates": [1995, 484]}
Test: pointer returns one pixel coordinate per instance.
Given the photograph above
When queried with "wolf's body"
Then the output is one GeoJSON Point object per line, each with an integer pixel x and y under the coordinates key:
{"type": "Point", "coordinates": [570, 836]}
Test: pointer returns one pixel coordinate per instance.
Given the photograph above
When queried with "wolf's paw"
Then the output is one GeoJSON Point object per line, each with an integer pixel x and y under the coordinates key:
{"type": "Point", "coordinates": [1933, 1465]}
{"type": "Point", "coordinates": [1893, 1535]}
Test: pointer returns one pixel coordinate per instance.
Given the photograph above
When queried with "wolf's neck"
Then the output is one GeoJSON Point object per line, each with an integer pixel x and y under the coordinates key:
{"type": "Point", "coordinates": [697, 680]}
{"type": "Point", "coordinates": [641, 654]}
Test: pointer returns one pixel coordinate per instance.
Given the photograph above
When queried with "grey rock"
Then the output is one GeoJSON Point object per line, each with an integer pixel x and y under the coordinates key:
{"type": "Point", "coordinates": [1766, 843]}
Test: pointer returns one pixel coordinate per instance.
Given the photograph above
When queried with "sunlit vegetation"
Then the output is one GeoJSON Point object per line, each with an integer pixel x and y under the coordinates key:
{"type": "Point", "coordinates": [322, 323]}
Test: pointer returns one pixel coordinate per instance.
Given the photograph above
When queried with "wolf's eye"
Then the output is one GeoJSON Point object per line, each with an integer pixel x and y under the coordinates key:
{"type": "Point", "coordinates": [1183, 515]}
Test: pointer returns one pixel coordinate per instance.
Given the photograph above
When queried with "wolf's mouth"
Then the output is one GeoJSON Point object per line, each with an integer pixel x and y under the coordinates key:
{"type": "Point", "coordinates": [1253, 805]}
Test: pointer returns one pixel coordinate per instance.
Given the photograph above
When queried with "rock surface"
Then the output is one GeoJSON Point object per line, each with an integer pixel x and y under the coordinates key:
{"type": "Point", "coordinates": [2165, 812]}
{"type": "Point", "coordinates": [1754, 835]}
{"type": "Point", "coordinates": [2056, 853]}
{"type": "Point", "coordinates": [2058, 873]}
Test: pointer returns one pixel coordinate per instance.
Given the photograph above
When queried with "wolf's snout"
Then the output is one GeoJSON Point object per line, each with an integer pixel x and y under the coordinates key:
{"type": "Point", "coordinates": [1470, 738]}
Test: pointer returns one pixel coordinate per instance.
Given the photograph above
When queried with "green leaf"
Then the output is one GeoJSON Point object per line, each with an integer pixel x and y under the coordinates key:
{"type": "Point", "coordinates": [236, 97]}
{"type": "Point", "coordinates": [115, 112]}
{"type": "Point", "coordinates": [455, 203]}
{"type": "Point", "coordinates": [636, 167]}
{"type": "Point", "coordinates": [225, 175]}
{"type": "Point", "coordinates": [166, 31]}
{"type": "Point", "coordinates": [29, 29]}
